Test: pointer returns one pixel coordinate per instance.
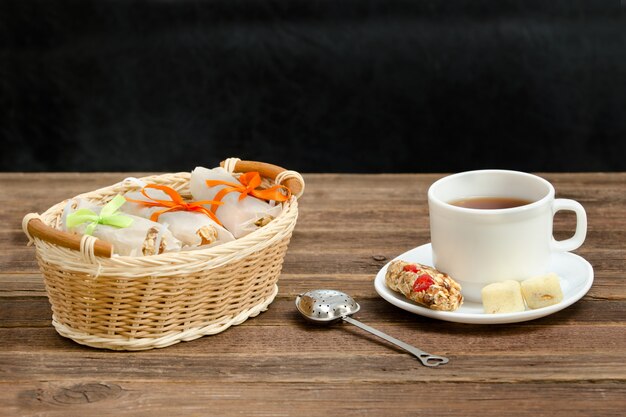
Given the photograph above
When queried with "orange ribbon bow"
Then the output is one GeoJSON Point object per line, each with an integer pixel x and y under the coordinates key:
{"type": "Point", "coordinates": [248, 184]}
{"type": "Point", "coordinates": [176, 203]}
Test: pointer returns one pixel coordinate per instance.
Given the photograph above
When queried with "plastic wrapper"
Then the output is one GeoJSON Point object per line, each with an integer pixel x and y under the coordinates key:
{"type": "Point", "coordinates": [193, 229]}
{"type": "Point", "coordinates": [240, 217]}
{"type": "Point", "coordinates": [142, 237]}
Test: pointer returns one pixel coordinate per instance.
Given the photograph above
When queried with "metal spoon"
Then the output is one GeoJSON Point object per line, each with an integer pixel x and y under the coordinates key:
{"type": "Point", "coordinates": [327, 306]}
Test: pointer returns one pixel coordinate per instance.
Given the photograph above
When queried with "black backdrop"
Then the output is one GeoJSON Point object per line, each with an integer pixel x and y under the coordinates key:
{"type": "Point", "coordinates": [340, 86]}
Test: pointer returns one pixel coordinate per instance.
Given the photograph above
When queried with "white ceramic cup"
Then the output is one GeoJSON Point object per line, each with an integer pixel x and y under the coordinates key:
{"type": "Point", "coordinates": [477, 247]}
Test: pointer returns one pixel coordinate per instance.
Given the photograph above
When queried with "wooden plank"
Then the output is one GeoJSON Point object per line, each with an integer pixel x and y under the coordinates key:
{"type": "Point", "coordinates": [356, 257]}
{"type": "Point", "coordinates": [88, 396]}
{"type": "Point", "coordinates": [289, 335]}
{"type": "Point", "coordinates": [21, 285]}
{"type": "Point", "coordinates": [303, 367]}
{"type": "Point", "coordinates": [327, 187]}
{"type": "Point", "coordinates": [607, 286]}
{"type": "Point", "coordinates": [363, 214]}
{"type": "Point", "coordinates": [35, 311]}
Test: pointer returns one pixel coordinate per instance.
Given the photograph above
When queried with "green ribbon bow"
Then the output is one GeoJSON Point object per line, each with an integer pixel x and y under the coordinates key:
{"type": "Point", "coordinates": [108, 215]}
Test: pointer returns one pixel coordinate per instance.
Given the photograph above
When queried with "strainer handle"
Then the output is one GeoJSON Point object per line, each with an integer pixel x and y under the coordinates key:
{"type": "Point", "coordinates": [426, 358]}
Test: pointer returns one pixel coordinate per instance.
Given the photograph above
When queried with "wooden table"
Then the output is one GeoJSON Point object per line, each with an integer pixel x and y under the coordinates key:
{"type": "Point", "coordinates": [571, 363]}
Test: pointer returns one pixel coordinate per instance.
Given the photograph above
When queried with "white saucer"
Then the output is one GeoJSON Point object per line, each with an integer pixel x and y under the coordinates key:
{"type": "Point", "coordinates": [576, 278]}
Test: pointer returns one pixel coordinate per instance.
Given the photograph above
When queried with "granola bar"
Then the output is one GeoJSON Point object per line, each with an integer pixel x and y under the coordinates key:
{"type": "Point", "coordinates": [424, 285]}
{"type": "Point", "coordinates": [207, 234]}
{"type": "Point", "coordinates": [149, 246]}
{"type": "Point", "coordinates": [263, 221]}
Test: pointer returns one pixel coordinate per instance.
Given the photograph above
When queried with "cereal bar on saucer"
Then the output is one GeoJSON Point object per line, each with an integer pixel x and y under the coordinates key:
{"type": "Point", "coordinates": [424, 285]}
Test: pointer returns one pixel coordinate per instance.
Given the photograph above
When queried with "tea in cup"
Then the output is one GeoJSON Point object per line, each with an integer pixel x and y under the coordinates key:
{"type": "Point", "coordinates": [494, 225]}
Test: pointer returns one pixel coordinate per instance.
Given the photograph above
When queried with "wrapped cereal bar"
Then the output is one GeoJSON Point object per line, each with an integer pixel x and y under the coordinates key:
{"type": "Point", "coordinates": [130, 235]}
{"type": "Point", "coordinates": [190, 222]}
{"type": "Point", "coordinates": [245, 208]}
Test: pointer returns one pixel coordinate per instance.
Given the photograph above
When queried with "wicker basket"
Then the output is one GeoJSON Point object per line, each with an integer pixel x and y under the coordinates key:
{"type": "Point", "coordinates": [136, 303]}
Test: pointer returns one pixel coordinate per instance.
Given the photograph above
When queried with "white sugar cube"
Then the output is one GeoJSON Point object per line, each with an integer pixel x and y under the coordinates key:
{"type": "Point", "coordinates": [542, 291]}
{"type": "Point", "coordinates": [503, 297]}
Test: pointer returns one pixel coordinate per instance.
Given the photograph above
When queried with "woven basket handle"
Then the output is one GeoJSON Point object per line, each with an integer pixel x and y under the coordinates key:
{"type": "Point", "coordinates": [36, 228]}
{"type": "Point", "coordinates": [292, 179]}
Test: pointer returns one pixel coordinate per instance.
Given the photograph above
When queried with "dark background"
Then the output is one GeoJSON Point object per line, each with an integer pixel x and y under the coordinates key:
{"type": "Point", "coordinates": [339, 86]}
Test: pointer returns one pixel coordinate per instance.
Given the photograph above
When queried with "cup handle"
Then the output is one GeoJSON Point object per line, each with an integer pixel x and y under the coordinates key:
{"type": "Point", "coordinates": [581, 225]}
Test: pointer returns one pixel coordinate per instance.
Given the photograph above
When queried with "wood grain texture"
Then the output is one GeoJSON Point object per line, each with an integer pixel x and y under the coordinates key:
{"type": "Point", "coordinates": [571, 363]}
